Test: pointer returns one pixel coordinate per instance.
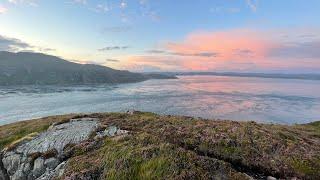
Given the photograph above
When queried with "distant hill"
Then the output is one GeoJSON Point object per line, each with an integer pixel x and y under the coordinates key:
{"type": "Point", "coordinates": [26, 68]}
{"type": "Point", "coordinates": [238, 74]}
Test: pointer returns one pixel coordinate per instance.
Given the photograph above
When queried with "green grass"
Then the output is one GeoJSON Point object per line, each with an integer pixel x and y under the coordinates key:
{"type": "Point", "coordinates": [144, 156]}
{"type": "Point", "coordinates": [137, 159]}
{"type": "Point", "coordinates": [174, 147]}
{"type": "Point", "coordinates": [17, 142]}
{"type": "Point", "coordinates": [307, 167]}
{"type": "Point", "coordinates": [20, 134]}
{"type": "Point", "coordinates": [13, 132]}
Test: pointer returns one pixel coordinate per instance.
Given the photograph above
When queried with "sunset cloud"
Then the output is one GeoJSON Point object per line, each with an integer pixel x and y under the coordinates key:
{"type": "Point", "coordinates": [3, 9]}
{"type": "Point", "coordinates": [236, 50]}
{"type": "Point", "coordinates": [230, 45]}
{"type": "Point", "coordinates": [299, 50]}
{"type": "Point", "coordinates": [198, 54]}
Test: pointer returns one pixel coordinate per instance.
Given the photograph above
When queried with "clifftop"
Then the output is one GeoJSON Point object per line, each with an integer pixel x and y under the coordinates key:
{"type": "Point", "coordinates": [141, 145]}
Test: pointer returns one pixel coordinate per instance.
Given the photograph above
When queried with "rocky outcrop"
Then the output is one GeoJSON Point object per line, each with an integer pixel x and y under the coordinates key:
{"type": "Point", "coordinates": [51, 173]}
{"type": "Point", "coordinates": [3, 171]}
{"type": "Point", "coordinates": [111, 131]}
{"type": "Point", "coordinates": [42, 157]}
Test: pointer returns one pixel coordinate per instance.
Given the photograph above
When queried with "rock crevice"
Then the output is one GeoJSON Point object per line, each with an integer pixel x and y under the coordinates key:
{"type": "Point", "coordinates": [3, 172]}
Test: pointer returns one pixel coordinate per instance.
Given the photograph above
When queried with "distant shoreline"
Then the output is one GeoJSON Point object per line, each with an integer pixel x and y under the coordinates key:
{"type": "Point", "coordinates": [259, 75]}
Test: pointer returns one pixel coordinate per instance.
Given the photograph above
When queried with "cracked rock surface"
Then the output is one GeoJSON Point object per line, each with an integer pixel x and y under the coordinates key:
{"type": "Point", "coordinates": [40, 158]}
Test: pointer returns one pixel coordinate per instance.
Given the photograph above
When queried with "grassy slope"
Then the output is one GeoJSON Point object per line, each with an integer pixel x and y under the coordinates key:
{"type": "Point", "coordinates": [181, 147]}
{"type": "Point", "coordinates": [13, 132]}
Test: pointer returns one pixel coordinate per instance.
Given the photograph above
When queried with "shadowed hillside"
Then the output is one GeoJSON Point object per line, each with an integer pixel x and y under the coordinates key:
{"type": "Point", "coordinates": [25, 68]}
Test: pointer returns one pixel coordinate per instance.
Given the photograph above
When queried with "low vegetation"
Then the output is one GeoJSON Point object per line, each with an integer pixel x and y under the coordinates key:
{"type": "Point", "coordinates": [174, 147]}
{"type": "Point", "coordinates": [15, 132]}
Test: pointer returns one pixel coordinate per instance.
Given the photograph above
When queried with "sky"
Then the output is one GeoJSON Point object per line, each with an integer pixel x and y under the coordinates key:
{"type": "Point", "coordinates": [281, 36]}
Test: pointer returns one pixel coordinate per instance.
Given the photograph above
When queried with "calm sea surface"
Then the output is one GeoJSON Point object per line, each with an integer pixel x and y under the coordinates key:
{"type": "Point", "coordinates": [282, 101]}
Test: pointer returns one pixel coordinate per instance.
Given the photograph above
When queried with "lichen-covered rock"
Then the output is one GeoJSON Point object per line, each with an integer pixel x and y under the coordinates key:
{"type": "Point", "coordinates": [2, 175]}
{"type": "Point", "coordinates": [44, 150]}
{"type": "Point", "coordinates": [19, 175]}
{"type": "Point", "coordinates": [51, 163]}
{"type": "Point", "coordinates": [26, 167]}
{"type": "Point", "coordinates": [59, 136]}
{"type": "Point", "coordinates": [38, 167]}
{"type": "Point", "coordinates": [112, 131]}
{"type": "Point", "coordinates": [51, 173]}
{"type": "Point", "coordinates": [3, 171]}
{"type": "Point", "coordinates": [11, 162]}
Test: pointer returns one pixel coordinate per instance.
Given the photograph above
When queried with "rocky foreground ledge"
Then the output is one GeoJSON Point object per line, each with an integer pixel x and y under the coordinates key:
{"type": "Point", "coordinates": [139, 145]}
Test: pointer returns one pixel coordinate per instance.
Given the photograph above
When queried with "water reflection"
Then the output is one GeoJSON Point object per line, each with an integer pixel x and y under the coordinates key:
{"type": "Point", "coordinates": [236, 98]}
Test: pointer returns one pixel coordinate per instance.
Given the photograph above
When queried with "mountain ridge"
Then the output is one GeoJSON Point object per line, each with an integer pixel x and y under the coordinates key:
{"type": "Point", "coordinates": [27, 68]}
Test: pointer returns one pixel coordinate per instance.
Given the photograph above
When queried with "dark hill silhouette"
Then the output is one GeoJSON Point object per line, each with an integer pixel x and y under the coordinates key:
{"type": "Point", "coordinates": [26, 68]}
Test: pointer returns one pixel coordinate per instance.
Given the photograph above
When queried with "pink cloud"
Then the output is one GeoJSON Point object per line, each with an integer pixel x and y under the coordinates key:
{"type": "Point", "coordinates": [3, 9]}
{"type": "Point", "coordinates": [139, 62]}
{"type": "Point", "coordinates": [228, 44]}
{"type": "Point", "coordinates": [237, 50]}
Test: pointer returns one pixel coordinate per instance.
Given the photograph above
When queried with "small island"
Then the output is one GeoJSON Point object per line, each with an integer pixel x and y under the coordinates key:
{"type": "Point", "coordinates": [141, 145]}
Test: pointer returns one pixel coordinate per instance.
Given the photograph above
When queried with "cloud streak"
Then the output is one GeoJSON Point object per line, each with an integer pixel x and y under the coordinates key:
{"type": "Point", "coordinates": [79, 1]}
{"type": "Point", "coordinates": [116, 29]}
{"type": "Point", "coordinates": [252, 4]}
{"type": "Point", "coordinates": [28, 2]}
{"type": "Point", "coordinates": [219, 9]}
{"type": "Point", "coordinates": [112, 60]}
{"type": "Point", "coordinates": [298, 50]}
{"type": "Point", "coordinates": [12, 44]}
{"type": "Point", "coordinates": [16, 45]}
{"type": "Point", "coordinates": [101, 8]}
{"type": "Point", "coordinates": [111, 48]}
{"type": "Point", "coordinates": [198, 54]}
